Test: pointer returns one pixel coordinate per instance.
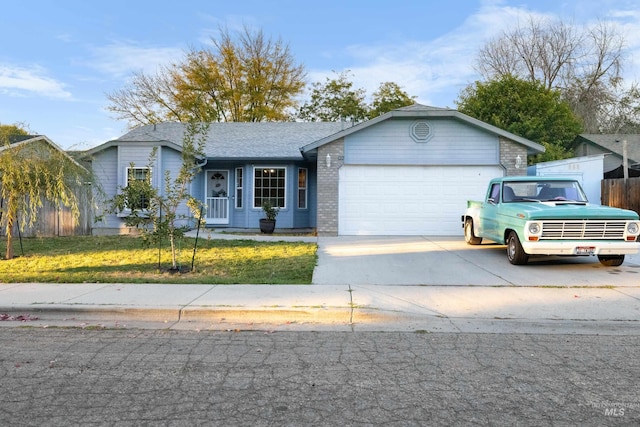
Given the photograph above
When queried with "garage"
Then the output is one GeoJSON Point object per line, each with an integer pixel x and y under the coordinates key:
{"type": "Point", "coordinates": [408, 200]}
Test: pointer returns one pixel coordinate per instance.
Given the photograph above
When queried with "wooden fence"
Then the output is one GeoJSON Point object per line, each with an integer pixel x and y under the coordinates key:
{"type": "Point", "coordinates": [621, 193]}
{"type": "Point", "coordinates": [55, 220]}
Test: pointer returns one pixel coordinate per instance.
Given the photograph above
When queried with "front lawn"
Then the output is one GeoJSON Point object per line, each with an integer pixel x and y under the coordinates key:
{"type": "Point", "coordinates": [124, 259]}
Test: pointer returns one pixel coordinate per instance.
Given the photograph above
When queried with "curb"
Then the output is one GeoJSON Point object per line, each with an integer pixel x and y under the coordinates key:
{"type": "Point", "coordinates": [296, 319]}
{"type": "Point", "coordinates": [95, 313]}
{"type": "Point", "coordinates": [275, 315]}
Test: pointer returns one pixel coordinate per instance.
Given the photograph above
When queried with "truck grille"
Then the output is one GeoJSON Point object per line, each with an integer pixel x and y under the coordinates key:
{"type": "Point", "coordinates": [603, 230]}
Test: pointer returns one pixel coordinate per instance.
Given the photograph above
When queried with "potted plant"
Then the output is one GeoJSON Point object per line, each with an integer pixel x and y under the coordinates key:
{"type": "Point", "coordinates": [268, 223]}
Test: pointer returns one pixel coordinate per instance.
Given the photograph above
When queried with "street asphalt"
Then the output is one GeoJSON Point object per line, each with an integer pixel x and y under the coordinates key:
{"type": "Point", "coordinates": [395, 283]}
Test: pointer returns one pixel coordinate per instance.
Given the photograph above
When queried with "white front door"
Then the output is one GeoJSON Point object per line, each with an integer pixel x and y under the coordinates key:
{"type": "Point", "coordinates": [217, 197]}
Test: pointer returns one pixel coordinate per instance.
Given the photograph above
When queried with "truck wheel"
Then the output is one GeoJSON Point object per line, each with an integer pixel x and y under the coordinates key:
{"type": "Point", "coordinates": [515, 253]}
{"type": "Point", "coordinates": [469, 235]}
{"type": "Point", "coordinates": [611, 260]}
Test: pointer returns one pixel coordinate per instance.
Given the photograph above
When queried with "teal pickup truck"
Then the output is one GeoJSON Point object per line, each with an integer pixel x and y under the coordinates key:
{"type": "Point", "coordinates": [535, 215]}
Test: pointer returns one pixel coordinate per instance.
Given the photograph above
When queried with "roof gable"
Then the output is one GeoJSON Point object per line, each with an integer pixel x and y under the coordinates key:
{"type": "Point", "coordinates": [613, 143]}
{"type": "Point", "coordinates": [418, 111]}
{"type": "Point", "coordinates": [18, 140]}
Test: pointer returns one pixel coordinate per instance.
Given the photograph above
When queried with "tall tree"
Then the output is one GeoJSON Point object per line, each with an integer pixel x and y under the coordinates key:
{"type": "Point", "coordinates": [148, 99]}
{"type": "Point", "coordinates": [624, 116]}
{"type": "Point", "coordinates": [524, 108]}
{"type": "Point", "coordinates": [583, 63]}
{"type": "Point", "coordinates": [389, 96]}
{"type": "Point", "coordinates": [30, 173]}
{"type": "Point", "coordinates": [335, 100]}
{"type": "Point", "coordinates": [249, 78]}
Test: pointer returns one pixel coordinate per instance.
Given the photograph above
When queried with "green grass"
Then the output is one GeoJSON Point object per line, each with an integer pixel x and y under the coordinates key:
{"type": "Point", "coordinates": [124, 259]}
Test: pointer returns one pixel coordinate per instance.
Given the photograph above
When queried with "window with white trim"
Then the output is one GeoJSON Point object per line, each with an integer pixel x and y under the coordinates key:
{"type": "Point", "coordinates": [269, 184]}
{"type": "Point", "coordinates": [302, 188]}
{"type": "Point", "coordinates": [239, 187]}
{"type": "Point", "coordinates": [139, 175]}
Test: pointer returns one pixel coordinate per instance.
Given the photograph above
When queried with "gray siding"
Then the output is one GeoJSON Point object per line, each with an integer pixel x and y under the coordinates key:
{"type": "Point", "coordinates": [110, 168]}
{"type": "Point", "coordinates": [452, 142]}
{"type": "Point", "coordinates": [139, 156]}
{"type": "Point", "coordinates": [170, 160]}
{"type": "Point", "coordinates": [105, 170]}
{"type": "Point", "coordinates": [197, 186]}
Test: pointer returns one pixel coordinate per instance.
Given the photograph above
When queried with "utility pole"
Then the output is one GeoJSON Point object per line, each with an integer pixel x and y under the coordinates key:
{"type": "Point", "coordinates": [625, 159]}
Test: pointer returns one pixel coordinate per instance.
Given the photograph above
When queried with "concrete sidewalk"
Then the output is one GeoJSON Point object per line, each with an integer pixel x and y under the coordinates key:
{"type": "Point", "coordinates": [363, 283]}
{"type": "Point", "coordinates": [327, 307]}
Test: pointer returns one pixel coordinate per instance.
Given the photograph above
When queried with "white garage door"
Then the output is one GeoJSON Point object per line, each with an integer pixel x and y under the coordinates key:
{"type": "Point", "coordinates": [409, 200]}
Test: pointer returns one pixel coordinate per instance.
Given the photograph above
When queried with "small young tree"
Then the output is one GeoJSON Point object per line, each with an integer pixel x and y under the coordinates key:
{"type": "Point", "coordinates": [155, 213]}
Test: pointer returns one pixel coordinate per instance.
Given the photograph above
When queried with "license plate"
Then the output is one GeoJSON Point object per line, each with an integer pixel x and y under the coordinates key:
{"type": "Point", "coordinates": [585, 250]}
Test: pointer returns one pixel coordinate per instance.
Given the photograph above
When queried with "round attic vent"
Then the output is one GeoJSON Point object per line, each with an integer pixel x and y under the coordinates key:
{"type": "Point", "coordinates": [421, 131]}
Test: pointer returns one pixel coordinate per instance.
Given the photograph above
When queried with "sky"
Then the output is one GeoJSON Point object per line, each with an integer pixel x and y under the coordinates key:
{"type": "Point", "coordinates": [59, 59]}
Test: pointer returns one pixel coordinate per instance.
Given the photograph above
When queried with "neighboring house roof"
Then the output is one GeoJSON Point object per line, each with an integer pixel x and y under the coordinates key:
{"type": "Point", "coordinates": [13, 139]}
{"type": "Point", "coordinates": [18, 140]}
{"type": "Point", "coordinates": [237, 140]}
{"type": "Point", "coordinates": [419, 111]}
{"type": "Point", "coordinates": [612, 143]}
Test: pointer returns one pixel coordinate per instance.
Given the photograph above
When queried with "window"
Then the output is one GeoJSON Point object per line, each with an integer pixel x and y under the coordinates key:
{"type": "Point", "coordinates": [269, 185]}
{"type": "Point", "coordinates": [302, 188]}
{"type": "Point", "coordinates": [239, 187]}
{"type": "Point", "coordinates": [139, 180]}
{"type": "Point", "coordinates": [546, 190]}
{"type": "Point", "coordinates": [495, 192]}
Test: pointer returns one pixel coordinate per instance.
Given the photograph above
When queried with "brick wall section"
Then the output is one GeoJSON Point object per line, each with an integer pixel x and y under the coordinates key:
{"type": "Point", "coordinates": [509, 152]}
{"type": "Point", "coordinates": [327, 221]}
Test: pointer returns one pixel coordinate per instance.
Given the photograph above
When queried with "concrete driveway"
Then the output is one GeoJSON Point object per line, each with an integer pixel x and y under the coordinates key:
{"type": "Point", "coordinates": [449, 261]}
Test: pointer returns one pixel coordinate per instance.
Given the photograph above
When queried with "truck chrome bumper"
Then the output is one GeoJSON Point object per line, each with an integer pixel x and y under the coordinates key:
{"type": "Point", "coordinates": [581, 247]}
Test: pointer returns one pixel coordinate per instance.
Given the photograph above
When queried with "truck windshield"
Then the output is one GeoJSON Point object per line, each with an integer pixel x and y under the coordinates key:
{"type": "Point", "coordinates": [542, 191]}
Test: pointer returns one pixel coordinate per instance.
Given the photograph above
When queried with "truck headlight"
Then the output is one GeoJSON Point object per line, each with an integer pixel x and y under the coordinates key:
{"type": "Point", "coordinates": [534, 228]}
{"type": "Point", "coordinates": [632, 228]}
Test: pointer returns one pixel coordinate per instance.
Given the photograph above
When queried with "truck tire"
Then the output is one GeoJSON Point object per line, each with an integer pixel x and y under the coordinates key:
{"type": "Point", "coordinates": [611, 260]}
{"type": "Point", "coordinates": [515, 253]}
{"type": "Point", "coordinates": [469, 235]}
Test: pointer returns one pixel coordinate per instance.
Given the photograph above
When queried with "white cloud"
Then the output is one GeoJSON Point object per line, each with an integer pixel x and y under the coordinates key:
{"type": "Point", "coordinates": [21, 81]}
{"type": "Point", "coordinates": [119, 59]}
{"type": "Point", "coordinates": [629, 21]}
{"type": "Point", "coordinates": [433, 70]}
{"type": "Point", "coordinates": [437, 70]}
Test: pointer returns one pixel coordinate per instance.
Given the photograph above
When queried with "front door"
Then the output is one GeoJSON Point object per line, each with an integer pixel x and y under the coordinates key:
{"type": "Point", "coordinates": [217, 197]}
